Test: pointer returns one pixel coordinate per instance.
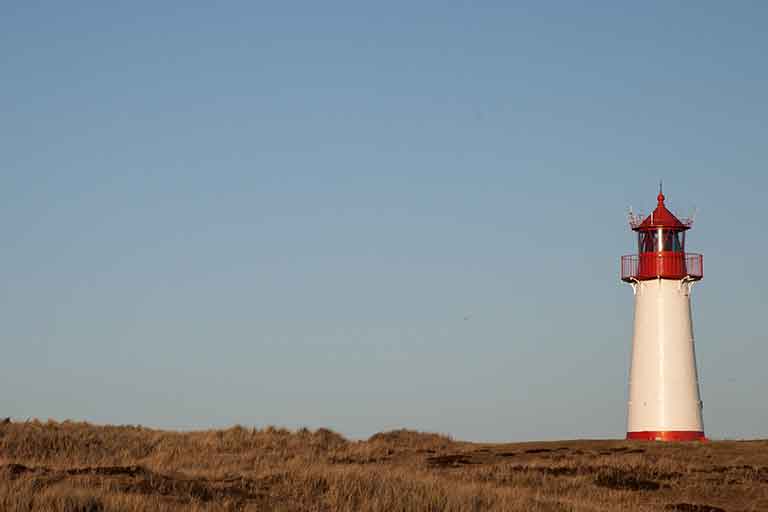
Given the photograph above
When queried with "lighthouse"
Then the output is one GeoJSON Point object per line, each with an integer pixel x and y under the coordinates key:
{"type": "Point", "coordinates": [664, 400]}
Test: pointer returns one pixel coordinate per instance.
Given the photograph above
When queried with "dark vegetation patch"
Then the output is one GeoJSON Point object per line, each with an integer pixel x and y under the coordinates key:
{"type": "Point", "coordinates": [743, 472]}
{"type": "Point", "coordinates": [690, 507]}
{"type": "Point", "coordinates": [506, 454]}
{"type": "Point", "coordinates": [608, 476]}
{"type": "Point", "coordinates": [13, 471]}
{"type": "Point", "coordinates": [561, 471]}
{"type": "Point", "coordinates": [619, 479]}
{"type": "Point", "coordinates": [139, 480]}
{"type": "Point", "coordinates": [452, 460]}
{"type": "Point", "coordinates": [131, 471]}
{"type": "Point", "coordinates": [544, 470]}
{"type": "Point", "coordinates": [358, 460]}
{"type": "Point", "coordinates": [74, 503]}
{"type": "Point", "coordinates": [538, 450]}
{"type": "Point", "coordinates": [621, 450]}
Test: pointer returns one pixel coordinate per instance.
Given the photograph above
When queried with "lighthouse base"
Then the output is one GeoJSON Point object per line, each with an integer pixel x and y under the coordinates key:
{"type": "Point", "coordinates": [666, 435]}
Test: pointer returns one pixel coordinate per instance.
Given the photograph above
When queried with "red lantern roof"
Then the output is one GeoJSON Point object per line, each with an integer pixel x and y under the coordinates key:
{"type": "Point", "coordinates": [660, 218]}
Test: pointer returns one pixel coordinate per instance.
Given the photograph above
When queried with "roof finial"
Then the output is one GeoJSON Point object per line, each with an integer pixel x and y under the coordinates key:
{"type": "Point", "coordinates": [661, 192]}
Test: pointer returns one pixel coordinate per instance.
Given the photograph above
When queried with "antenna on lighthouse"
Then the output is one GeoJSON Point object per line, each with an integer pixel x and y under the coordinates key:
{"type": "Point", "coordinates": [692, 217]}
{"type": "Point", "coordinates": [634, 219]}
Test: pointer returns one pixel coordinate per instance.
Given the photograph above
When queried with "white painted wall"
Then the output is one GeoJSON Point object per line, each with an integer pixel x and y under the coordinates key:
{"type": "Point", "coordinates": [663, 381]}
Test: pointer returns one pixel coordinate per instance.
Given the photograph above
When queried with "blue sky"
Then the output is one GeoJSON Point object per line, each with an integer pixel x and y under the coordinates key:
{"type": "Point", "coordinates": [368, 216]}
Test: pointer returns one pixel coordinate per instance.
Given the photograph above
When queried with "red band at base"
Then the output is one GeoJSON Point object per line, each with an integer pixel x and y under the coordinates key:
{"type": "Point", "coordinates": [666, 435]}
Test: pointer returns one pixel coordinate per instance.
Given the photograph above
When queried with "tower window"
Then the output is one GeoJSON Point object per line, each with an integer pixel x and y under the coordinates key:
{"type": "Point", "coordinates": [671, 241]}
{"type": "Point", "coordinates": [660, 240]}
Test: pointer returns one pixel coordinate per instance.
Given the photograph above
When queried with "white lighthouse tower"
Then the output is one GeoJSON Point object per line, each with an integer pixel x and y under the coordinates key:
{"type": "Point", "coordinates": [664, 401]}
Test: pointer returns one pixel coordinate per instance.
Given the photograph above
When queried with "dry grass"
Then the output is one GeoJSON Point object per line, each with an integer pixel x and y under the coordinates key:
{"type": "Point", "coordinates": [77, 467]}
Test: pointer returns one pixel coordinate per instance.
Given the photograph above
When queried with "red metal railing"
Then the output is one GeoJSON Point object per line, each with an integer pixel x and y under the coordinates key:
{"type": "Point", "coordinates": [666, 265]}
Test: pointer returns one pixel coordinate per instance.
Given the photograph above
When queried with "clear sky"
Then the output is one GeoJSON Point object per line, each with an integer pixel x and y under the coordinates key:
{"type": "Point", "coordinates": [372, 215]}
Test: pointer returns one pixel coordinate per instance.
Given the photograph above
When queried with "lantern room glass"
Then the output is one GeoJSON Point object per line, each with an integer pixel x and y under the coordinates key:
{"type": "Point", "coordinates": [661, 240]}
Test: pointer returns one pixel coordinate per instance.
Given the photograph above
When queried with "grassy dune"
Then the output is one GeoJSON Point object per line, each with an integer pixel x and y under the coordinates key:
{"type": "Point", "coordinates": [77, 467]}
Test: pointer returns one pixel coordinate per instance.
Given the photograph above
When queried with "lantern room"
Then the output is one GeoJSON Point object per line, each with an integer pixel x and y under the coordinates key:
{"type": "Point", "coordinates": [661, 248]}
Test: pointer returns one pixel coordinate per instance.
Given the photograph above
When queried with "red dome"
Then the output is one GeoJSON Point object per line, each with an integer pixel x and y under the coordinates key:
{"type": "Point", "coordinates": [661, 218]}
